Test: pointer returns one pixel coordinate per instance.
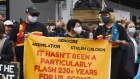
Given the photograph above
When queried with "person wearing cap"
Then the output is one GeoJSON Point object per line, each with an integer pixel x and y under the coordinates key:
{"type": "Point", "coordinates": [8, 28]}
{"type": "Point", "coordinates": [14, 22]}
{"type": "Point", "coordinates": [6, 53]}
{"type": "Point", "coordinates": [108, 17]}
{"type": "Point", "coordinates": [32, 28]}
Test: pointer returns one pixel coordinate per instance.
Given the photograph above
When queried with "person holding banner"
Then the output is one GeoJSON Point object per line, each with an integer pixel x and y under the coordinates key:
{"type": "Point", "coordinates": [30, 27]}
{"type": "Point", "coordinates": [6, 53]}
{"type": "Point", "coordinates": [115, 34]}
{"type": "Point", "coordinates": [74, 28]}
{"type": "Point", "coordinates": [59, 30]}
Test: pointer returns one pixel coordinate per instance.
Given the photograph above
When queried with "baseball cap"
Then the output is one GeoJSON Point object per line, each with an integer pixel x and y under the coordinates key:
{"type": "Point", "coordinates": [106, 10]}
{"type": "Point", "coordinates": [8, 22]}
{"type": "Point", "coordinates": [32, 10]}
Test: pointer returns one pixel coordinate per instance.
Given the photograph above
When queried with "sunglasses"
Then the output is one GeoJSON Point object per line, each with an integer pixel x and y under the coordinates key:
{"type": "Point", "coordinates": [35, 14]}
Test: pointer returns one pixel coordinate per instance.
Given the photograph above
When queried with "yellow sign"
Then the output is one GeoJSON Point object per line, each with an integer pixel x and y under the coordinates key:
{"type": "Point", "coordinates": [66, 58]}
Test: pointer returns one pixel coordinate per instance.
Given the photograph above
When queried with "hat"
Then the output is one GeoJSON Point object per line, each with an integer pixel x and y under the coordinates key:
{"type": "Point", "coordinates": [14, 21]}
{"type": "Point", "coordinates": [106, 10]}
{"type": "Point", "coordinates": [8, 22]}
{"type": "Point", "coordinates": [32, 10]}
{"type": "Point", "coordinates": [1, 18]}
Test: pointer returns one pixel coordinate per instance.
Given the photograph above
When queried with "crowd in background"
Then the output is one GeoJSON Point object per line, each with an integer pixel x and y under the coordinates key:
{"type": "Point", "coordinates": [125, 50]}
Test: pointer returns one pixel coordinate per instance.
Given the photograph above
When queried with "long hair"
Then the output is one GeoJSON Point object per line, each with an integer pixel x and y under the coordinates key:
{"type": "Point", "coordinates": [100, 18]}
{"type": "Point", "coordinates": [2, 29]}
{"type": "Point", "coordinates": [112, 17]}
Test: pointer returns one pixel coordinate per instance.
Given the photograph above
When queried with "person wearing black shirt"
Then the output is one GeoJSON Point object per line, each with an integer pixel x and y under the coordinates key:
{"type": "Point", "coordinates": [104, 32]}
{"type": "Point", "coordinates": [74, 28]}
{"type": "Point", "coordinates": [130, 52]}
{"type": "Point", "coordinates": [6, 52]}
{"type": "Point", "coordinates": [17, 38]}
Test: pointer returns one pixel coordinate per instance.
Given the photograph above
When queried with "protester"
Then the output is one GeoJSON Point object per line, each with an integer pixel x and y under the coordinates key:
{"type": "Point", "coordinates": [94, 27]}
{"type": "Point", "coordinates": [90, 35]}
{"type": "Point", "coordinates": [130, 53]}
{"type": "Point", "coordinates": [85, 31]}
{"type": "Point", "coordinates": [32, 28]}
{"type": "Point", "coordinates": [74, 28]}
{"type": "Point", "coordinates": [14, 22]}
{"type": "Point", "coordinates": [6, 53]}
{"type": "Point", "coordinates": [86, 34]}
{"type": "Point", "coordinates": [123, 21]}
{"type": "Point", "coordinates": [51, 31]}
{"type": "Point", "coordinates": [59, 30]}
{"type": "Point", "coordinates": [8, 28]}
{"type": "Point", "coordinates": [104, 32]}
{"type": "Point", "coordinates": [137, 35]}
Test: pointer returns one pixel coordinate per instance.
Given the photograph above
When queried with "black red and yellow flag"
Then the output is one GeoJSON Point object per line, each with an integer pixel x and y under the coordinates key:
{"type": "Point", "coordinates": [20, 35]}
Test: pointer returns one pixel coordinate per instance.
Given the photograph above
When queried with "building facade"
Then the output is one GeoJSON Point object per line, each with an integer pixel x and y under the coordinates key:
{"type": "Point", "coordinates": [63, 9]}
{"type": "Point", "coordinates": [18, 7]}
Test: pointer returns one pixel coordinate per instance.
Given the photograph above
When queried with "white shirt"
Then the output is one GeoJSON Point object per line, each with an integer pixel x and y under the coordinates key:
{"type": "Point", "coordinates": [135, 45]}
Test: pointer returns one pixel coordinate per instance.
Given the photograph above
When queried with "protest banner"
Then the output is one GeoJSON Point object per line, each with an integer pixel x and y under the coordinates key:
{"type": "Point", "coordinates": [66, 58]}
{"type": "Point", "coordinates": [9, 70]}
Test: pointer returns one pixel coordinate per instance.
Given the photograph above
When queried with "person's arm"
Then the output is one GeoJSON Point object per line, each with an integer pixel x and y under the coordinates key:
{"type": "Point", "coordinates": [123, 42]}
{"type": "Point", "coordinates": [13, 48]}
{"type": "Point", "coordinates": [96, 32]}
{"type": "Point", "coordinates": [13, 39]}
{"type": "Point", "coordinates": [123, 21]}
{"type": "Point", "coordinates": [123, 37]}
{"type": "Point", "coordinates": [7, 54]}
{"type": "Point", "coordinates": [44, 30]}
{"type": "Point", "coordinates": [120, 42]}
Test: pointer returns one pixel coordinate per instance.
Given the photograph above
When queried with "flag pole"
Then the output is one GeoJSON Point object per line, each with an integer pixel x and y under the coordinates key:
{"type": "Point", "coordinates": [103, 4]}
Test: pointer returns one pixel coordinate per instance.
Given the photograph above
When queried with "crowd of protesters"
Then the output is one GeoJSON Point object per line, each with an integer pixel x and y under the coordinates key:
{"type": "Point", "coordinates": [125, 56]}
